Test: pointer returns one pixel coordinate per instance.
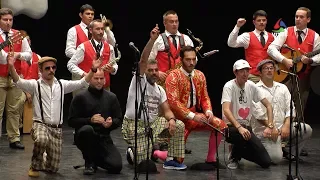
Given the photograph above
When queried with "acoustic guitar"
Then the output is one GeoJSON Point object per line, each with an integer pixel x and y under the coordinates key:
{"type": "Point", "coordinates": [282, 77]}
{"type": "Point", "coordinates": [12, 40]}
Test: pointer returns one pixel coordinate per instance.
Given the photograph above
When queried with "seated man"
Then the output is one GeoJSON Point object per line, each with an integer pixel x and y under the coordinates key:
{"type": "Point", "coordinates": [94, 113]}
{"type": "Point", "coordinates": [280, 97]}
{"type": "Point", "coordinates": [152, 99]}
{"type": "Point", "coordinates": [237, 98]}
{"type": "Point", "coordinates": [187, 91]}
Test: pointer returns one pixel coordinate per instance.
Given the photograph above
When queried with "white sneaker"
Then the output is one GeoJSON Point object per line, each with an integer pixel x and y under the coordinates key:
{"type": "Point", "coordinates": [233, 164]}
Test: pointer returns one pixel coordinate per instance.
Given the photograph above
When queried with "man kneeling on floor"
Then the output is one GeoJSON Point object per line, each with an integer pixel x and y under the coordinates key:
{"type": "Point", "coordinates": [154, 100]}
{"type": "Point", "coordinates": [94, 113]}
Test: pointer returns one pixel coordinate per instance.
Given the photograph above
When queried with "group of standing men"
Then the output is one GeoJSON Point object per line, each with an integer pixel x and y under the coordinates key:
{"type": "Point", "coordinates": [256, 117]}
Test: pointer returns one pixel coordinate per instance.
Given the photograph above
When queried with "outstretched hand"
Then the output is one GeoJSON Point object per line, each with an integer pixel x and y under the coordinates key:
{"type": "Point", "coordinates": [154, 34]}
{"type": "Point", "coordinates": [96, 63]}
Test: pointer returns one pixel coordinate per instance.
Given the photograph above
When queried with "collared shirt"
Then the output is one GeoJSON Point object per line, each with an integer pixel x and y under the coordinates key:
{"type": "Point", "coordinates": [243, 40]}
{"type": "Point", "coordinates": [50, 96]}
{"type": "Point", "coordinates": [78, 57]}
{"type": "Point", "coordinates": [279, 96]}
{"type": "Point", "coordinates": [276, 45]}
{"type": "Point", "coordinates": [25, 53]}
{"type": "Point", "coordinates": [72, 39]}
{"type": "Point", "coordinates": [159, 44]}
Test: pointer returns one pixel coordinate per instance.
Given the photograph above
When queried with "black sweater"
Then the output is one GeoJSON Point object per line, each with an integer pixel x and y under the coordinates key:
{"type": "Point", "coordinates": [92, 101]}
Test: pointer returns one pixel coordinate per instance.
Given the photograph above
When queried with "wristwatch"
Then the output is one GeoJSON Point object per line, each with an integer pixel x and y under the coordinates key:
{"type": "Point", "coordinates": [270, 125]}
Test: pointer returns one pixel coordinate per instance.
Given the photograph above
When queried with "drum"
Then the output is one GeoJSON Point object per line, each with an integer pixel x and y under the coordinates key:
{"type": "Point", "coordinates": [315, 80]}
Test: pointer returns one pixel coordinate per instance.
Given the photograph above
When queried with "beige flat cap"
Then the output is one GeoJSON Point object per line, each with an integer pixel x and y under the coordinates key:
{"type": "Point", "coordinates": [46, 59]}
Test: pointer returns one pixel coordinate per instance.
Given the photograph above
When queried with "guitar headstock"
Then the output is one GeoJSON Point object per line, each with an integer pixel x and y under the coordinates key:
{"type": "Point", "coordinates": [16, 37]}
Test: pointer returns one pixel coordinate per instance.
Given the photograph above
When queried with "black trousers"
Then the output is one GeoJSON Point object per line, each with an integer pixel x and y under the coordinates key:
{"type": "Point", "coordinates": [251, 150]}
{"type": "Point", "coordinates": [98, 150]}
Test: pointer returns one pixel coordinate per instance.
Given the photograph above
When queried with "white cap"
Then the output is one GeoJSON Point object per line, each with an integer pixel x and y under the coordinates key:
{"type": "Point", "coordinates": [240, 64]}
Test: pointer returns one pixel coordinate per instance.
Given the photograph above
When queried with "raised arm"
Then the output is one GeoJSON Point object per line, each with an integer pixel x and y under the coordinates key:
{"type": "Point", "coordinates": [154, 34]}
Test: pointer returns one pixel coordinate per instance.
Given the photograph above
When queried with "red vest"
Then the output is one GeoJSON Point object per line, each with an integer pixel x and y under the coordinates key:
{"type": "Point", "coordinates": [17, 64]}
{"type": "Point", "coordinates": [174, 58]}
{"type": "Point", "coordinates": [89, 55]}
{"type": "Point", "coordinates": [305, 47]}
{"type": "Point", "coordinates": [81, 36]}
{"type": "Point", "coordinates": [256, 53]}
{"type": "Point", "coordinates": [30, 72]}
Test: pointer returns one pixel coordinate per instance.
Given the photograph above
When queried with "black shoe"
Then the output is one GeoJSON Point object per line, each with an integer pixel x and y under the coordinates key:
{"type": "Point", "coordinates": [16, 145]}
{"type": "Point", "coordinates": [88, 170]}
{"type": "Point", "coordinates": [187, 151]}
{"type": "Point", "coordinates": [215, 164]}
{"type": "Point", "coordinates": [304, 152]}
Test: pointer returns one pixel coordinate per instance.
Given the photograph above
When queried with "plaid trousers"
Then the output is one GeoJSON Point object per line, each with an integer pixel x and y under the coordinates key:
{"type": "Point", "coordinates": [49, 140]}
{"type": "Point", "coordinates": [176, 142]}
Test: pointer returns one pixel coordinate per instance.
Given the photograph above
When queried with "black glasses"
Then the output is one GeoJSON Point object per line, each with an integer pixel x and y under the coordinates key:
{"type": "Point", "coordinates": [48, 68]}
{"type": "Point", "coordinates": [242, 98]}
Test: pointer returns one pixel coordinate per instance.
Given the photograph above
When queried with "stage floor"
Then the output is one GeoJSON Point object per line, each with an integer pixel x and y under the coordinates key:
{"type": "Point", "coordinates": [14, 164]}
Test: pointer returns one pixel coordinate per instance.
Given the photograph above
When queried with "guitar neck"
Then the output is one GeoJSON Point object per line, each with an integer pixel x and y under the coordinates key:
{"type": "Point", "coordinates": [313, 53]}
{"type": "Point", "coordinates": [4, 44]}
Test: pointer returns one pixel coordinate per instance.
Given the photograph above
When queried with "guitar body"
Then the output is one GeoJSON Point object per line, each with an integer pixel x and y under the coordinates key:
{"type": "Point", "coordinates": [283, 77]}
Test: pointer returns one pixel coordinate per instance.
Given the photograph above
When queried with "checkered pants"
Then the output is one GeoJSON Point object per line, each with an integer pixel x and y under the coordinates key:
{"type": "Point", "coordinates": [176, 142]}
{"type": "Point", "coordinates": [49, 140]}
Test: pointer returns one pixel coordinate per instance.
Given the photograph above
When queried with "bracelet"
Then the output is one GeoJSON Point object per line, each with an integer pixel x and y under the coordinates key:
{"type": "Point", "coordinates": [94, 70]}
{"type": "Point", "coordinates": [173, 119]}
{"type": "Point", "coordinates": [239, 126]}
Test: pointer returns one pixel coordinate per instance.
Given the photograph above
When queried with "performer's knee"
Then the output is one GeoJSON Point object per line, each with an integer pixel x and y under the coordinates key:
{"type": "Point", "coordinates": [180, 126]}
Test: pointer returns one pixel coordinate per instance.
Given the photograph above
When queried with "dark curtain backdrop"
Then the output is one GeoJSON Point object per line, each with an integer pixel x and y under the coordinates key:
{"type": "Point", "coordinates": [133, 20]}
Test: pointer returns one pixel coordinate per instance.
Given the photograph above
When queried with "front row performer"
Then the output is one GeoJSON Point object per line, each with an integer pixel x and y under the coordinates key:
{"type": "Point", "coordinates": [237, 98]}
{"type": "Point", "coordinates": [93, 125]}
{"type": "Point", "coordinates": [48, 100]}
{"type": "Point", "coordinates": [188, 98]}
{"type": "Point", "coordinates": [155, 100]}
{"type": "Point", "coordinates": [280, 97]}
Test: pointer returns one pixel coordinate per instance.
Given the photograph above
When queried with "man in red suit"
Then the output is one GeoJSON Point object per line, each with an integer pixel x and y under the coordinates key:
{"type": "Point", "coordinates": [186, 90]}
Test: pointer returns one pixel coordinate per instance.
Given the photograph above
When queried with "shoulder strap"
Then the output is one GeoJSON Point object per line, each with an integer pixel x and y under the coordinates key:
{"type": "Point", "coordinates": [40, 102]}
{"type": "Point", "coordinates": [61, 93]}
{"type": "Point", "coordinates": [181, 40]}
{"type": "Point", "coordinates": [166, 42]}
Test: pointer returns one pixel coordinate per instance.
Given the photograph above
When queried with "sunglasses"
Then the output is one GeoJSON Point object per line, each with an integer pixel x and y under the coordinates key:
{"type": "Point", "coordinates": [48, 68]}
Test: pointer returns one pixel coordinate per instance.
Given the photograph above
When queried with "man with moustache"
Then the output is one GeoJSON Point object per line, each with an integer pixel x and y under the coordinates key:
{"type": "Point", "coordinates": [9, 92]}
{"type": "Point", "coordinates": [80, 62]}
{"type": "Point", "coordinates": [94, 124]}
{"type": "Point", "coordinates": [255, 43]}
{"type": "Point", "coordinates": [47, 93]}
{"type": "Point", "coordinates": [186, 89]}
{"type": "Point", "coordinates": [237, 100]}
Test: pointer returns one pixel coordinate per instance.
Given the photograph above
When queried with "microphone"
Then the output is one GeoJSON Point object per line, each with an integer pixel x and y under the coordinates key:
{"type": "Point", "coordinates": [131, 44]}
{"type": "Point", "coordinates": [288, 47]}
{"type": "Point", "coordinates": [207, 54]}
{"type": "Point", "coordinates": [288, 72]}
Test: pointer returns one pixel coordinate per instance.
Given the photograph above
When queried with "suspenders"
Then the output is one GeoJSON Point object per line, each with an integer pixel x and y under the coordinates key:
{"type": "Point", "coordinates": [40, 101]}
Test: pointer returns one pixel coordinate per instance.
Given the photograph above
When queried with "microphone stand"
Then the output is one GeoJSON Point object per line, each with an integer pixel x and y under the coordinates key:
{"type": "Point", "coordinates": [137, 70]}
{"type": "Point", "coordinates": [293, 78]}
{"type": "Point", "coordinates": [216, 130]}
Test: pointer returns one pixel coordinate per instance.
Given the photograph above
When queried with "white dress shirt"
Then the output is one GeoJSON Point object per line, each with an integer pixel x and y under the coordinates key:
{"type": "Point", "coordinates": [159, 44]}
{"type": "Point", "coordinates": [243, 40]}
{"type": "Point", "coordinates": [276, 45]}
{"type": "Point", "coordinates": [25, 53]}
{"type": "Point", "coordinates": [72, 39]}
{"type": "Point", "coordinates": [50, 96]}
{"type": "Point", "coordinates": [77, 58]}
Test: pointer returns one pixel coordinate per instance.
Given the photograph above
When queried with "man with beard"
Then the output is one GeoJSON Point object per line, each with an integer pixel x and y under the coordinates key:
{"type": "Point", "coordinates": [188, 98]}
{"type": "Point", "coordinates": [93, 125]}
{"type": "Point", "coordinates": [255, 43]}
{"type": "Point", "coordinates": [80, 63]}
{"type": "Point", "coordinates": [151, 100]}
{"type": "Point", "coordinates": [47, 93]}
{"type": "Point", "coordinates": [237, 98]}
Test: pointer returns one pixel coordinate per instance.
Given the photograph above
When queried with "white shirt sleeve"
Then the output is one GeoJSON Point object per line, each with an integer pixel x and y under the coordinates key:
{"type": "Point", "coordinates": [75, 60]}
{"type": "Point", "coordinates": [275, 46]}
{"type": "Point", "coordinates": [236, 41]}
{"type": "Point", "coordinates": [71, 42]}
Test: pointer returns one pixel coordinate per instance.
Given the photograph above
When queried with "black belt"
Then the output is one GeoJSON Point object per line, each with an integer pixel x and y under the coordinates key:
{"type": "Point", "coordinates": [50, 125]}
